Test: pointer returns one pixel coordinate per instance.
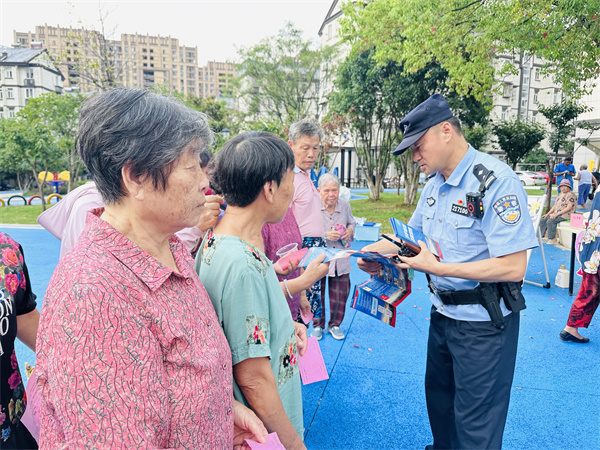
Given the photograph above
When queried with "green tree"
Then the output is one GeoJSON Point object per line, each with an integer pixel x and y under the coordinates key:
{"type": "Point", "coordinates": [59, 115]}
{"type": "Point", "coordinates": [374, 98]}
{"type": "Point", "coordinates": [517, 138]}
{"type": "Point", "coordinates": [31, 143]}
{"type": "Point", "coordinates": [464, 36]}
{"type": "Point", "coordinates": [279, 77]}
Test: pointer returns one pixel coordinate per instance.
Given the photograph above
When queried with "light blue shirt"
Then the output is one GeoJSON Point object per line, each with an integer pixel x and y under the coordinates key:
{"type": "Point", "coordinates": [504, 229]}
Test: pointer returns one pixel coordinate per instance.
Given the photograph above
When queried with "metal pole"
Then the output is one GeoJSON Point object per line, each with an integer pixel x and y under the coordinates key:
{"type": "Point", "coordinates": [572, 266]}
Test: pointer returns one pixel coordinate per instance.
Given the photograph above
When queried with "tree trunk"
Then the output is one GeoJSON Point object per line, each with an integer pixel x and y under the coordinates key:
{"type": "Point", "coordinates": [549, 186]}
{"type": "Point", "coordinates": [40, 189]}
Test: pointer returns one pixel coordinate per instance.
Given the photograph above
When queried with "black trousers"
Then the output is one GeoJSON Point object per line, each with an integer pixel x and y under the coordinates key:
{"type": "Point", "coordinates": [470, 368]}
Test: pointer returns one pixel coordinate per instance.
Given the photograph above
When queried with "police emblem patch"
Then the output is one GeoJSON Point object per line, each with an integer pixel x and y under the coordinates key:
{"type": "Point", "coordinates": [508, 209]}
{"type": "Point", "coordinates": [431, 201]}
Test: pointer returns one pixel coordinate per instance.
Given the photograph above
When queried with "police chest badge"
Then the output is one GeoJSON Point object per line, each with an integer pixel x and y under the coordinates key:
{"type": "Point", "coordinates": [431, 201]}
{"type": "Point", "coordinates": [508, 209]}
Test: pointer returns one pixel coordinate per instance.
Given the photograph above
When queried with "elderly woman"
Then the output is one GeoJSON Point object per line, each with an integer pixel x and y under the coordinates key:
{"type": "Point", "coordinates": [338, 223]}
{"type": "Point", "coordinates": [565, 204]}
{"type": "Point", "coordinates": [130, 351]}
{"type": "Point", "coordinates": [254, 172]}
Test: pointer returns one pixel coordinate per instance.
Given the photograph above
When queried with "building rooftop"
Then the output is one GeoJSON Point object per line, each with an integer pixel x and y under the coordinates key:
{"type": "Point", "coordinates": [10, 55]}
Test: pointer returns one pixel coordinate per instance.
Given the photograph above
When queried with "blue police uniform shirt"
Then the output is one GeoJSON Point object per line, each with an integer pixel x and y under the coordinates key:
{"type": "Point", "coordinates": [505, 228]}
{"type": "Point", "coordinates": [561, 168]}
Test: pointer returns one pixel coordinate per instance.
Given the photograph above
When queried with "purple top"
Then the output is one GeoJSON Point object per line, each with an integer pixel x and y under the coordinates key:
{"type": "Point", "coordinates": [275, 236]}
{"type": "Point", "coordinates": [129, 352]}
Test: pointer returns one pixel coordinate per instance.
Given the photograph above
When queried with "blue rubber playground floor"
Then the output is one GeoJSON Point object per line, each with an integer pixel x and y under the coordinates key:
{"type": "Point", "coordinates": [374, 398]}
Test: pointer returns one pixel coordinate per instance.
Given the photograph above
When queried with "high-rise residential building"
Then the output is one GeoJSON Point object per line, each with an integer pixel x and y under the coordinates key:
{"type": "Point", "coordinates": [214, 79]}
{"type": "Point", "coordinates": [24, 74]}
{"type": "Point", "coordinates": [135, 60]}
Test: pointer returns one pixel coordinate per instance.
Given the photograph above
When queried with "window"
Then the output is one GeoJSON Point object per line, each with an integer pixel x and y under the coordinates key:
{"type": "Point", "coordinates": [28, 92]}
{"type": "Point", "coordinates": [8, 73]}
{"type": "Point", "coordinates": [29, 74]}
{"type": "Point", "coordinates": [535, 96]}
{"type": "Point", "coordinates": [0, 97]}
{"type": "Point", "coordinates": [537, 75]}
{"type": "Point", "coordinates": [506, 92]}
{"type": "Point", "coordinates": [504, 114]}
{"type": "Point", "coordinates": [534, 118]}
{"type": "Point", "coordinates": [10, 93]}
{"type": "Point", "coordinates": [11, 113]}
{"type": "Point", "coordinates": [525, 75]}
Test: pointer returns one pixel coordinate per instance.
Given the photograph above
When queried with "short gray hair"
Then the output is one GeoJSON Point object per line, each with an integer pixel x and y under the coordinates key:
{"type": "Point", "coordinates": [327, 178]}
{"type": "Point", "coordinates": [136, 128]}
{"type": "Point", "coordinates": [305, 127]}
{"type": "Point", "coordinates": [583, 167]}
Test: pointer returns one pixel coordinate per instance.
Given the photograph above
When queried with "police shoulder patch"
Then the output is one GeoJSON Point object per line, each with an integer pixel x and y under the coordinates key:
{"type": "Point", "coordinates": [508, 209]}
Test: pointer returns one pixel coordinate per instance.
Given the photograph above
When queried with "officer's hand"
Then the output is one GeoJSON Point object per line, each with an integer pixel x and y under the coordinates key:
{"type": "Point", "coordinates": [425, 261]}
{"type": "Point", "coordinates": [369, 266]}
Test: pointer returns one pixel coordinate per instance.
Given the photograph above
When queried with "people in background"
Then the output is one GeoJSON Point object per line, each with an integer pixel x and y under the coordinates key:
{"type": "Point", "coordinates": [565, 171]}
{"type": "Point", "coordinates": [587, 300]}
{"type": "Point", "coordinates": [339, 224]}
{"type": "Point", "coordinates": [130, 351]}
{"type": "Point", "coordinates": [586, 180]}
{"type": "Point", "coordinates": [254, 171]}
{"type": "Point", "coordinates": [565, 204]}
{"type": "Point", "coordinates": [19, 318]}
{"type": "Point", "coordinates": [305, 140]}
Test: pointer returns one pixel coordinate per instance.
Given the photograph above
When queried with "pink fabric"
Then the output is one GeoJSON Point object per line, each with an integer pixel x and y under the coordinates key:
{"type": "Point", "coordinates": [306, 205]}
{"type": "Point", "coordinates": [66, 219]}
{"type": "Point", "coordinates": [129, 352]}
{"type": "Point", "coordinates": [32, 416]}
{"type": "Point", "coordinates": [275, 236]}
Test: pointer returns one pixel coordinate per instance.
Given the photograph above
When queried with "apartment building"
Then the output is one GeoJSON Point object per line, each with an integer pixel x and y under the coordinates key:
{"type": "Point", "coordinates": [214, 79]}
{"type": "Point", "coordinates": [24, 74]}
{"type": "Point", "coordinates": [136, 60]}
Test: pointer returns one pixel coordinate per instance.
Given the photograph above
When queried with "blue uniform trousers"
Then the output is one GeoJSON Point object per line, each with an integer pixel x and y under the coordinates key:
{"type": "Point", "coordinates": [470, 368]}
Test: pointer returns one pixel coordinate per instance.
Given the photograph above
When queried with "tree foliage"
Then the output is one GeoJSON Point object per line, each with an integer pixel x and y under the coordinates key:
{"type": "Point", "coordinates": [518, 138]}
{"type": "Point", "coordinates": [279, 77]}
{"type": "Point", "coordinates": [59, 115]}
{"type": "Point", "coordinates": [374, 98]}
{"type": "Point", "coordinates": [464, 36]}
{"type": "Point", "coordinates": [30, 143]}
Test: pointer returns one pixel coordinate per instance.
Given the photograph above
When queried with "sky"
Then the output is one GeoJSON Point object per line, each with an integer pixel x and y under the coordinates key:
{"type": "Point", "coordinates": [217, 28]}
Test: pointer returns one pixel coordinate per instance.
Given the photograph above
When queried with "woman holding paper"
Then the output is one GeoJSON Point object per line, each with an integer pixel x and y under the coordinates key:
{"type": "Point", "coordinates": [338, 220]}
{"type": "Point", "coordinates": [254, 172]}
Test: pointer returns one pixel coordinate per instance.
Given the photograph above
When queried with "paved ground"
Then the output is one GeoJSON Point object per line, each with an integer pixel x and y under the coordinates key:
{"type": "Point", "coordinates": [374, 398]}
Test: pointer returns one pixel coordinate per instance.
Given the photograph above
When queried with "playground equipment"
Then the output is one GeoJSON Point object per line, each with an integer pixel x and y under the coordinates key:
{"type": "Point", "coordinates": [51, 179]}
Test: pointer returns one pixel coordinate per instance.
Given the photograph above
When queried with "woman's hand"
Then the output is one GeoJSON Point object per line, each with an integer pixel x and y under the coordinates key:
{"type": "Point", "coordinates": [333, 235]}
{"type": "Point", "coordinates": [304, 305]}
{"type": "Point", "coordinates": [316, 270]}
{"type": "Point", "coordinates": [348, 234]}
{"type": "Point", "coordinates": [291, 266]}
{"type": "Point", "coordinates": [210, 212]}
{"type": "Point", "coordinates": [246, 425]}
{"type": "Point", "coordinates": [301, 338]}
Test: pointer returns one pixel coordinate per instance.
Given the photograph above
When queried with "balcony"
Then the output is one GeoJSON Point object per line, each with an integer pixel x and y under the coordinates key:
{"type": "Point", "coordinates": [29, 82]}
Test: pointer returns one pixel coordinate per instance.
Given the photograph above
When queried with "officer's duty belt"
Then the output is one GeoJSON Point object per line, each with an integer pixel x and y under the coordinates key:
{"type": "Point", "coordinates": [464, 297]}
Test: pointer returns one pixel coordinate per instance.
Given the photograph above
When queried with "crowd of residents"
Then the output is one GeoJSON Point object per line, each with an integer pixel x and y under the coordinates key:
{"type": "Point", "coordinates": [171, 322]}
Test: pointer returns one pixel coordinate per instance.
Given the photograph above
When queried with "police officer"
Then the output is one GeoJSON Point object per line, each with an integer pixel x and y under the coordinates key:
{"type": "Point", "coordinates": [481, 222]}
